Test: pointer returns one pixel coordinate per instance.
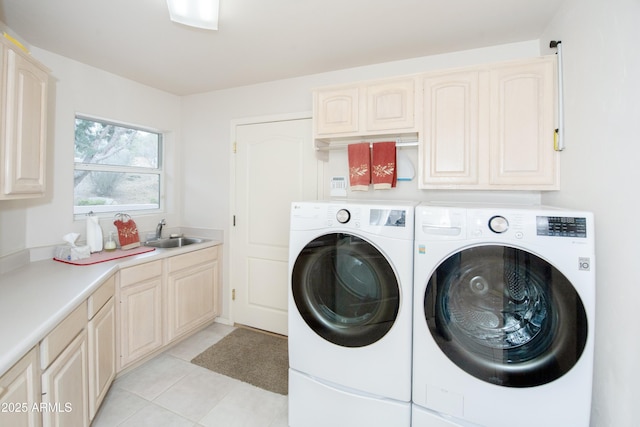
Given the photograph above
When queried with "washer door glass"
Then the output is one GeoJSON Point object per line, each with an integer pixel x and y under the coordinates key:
{"type": "Point", "coordinates": [345, 290]}
{"type": "Point", "coordinates": [505, 316]}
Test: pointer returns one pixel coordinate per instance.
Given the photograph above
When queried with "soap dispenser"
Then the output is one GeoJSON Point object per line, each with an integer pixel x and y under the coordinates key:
{"type": "Point", "coordinates": [94, 233]}
{"type": "Point", "coordinates": [110, 244]}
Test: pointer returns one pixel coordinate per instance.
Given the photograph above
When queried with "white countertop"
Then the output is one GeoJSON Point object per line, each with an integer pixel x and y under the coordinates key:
{"type": "Point", "coordinates": [38, 296]}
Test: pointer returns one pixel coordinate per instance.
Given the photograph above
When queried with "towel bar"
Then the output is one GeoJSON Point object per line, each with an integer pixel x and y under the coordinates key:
{"type": "Point", "coordinates": [343, 146]}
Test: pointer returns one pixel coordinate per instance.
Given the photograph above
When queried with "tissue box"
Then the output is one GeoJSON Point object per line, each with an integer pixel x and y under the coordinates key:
{"type": "Point", "coordinates": [72, 253]}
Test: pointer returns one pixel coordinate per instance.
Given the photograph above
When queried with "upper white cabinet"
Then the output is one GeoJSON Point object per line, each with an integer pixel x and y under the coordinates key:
{"type": "Point", "coordinates": [490, 127]}
{"type": "Point", "coordinates": [522, 127]}
{"type": "Point", "coordinates": [450, 150]}
{"type": "Point", "coordinates": [390, 106]}
{"type": "Point", "coordinates": [486, 127]}
{"type": "Point", "coordinates": [23, 119]}
{"type": "Point", "coordinates": [366, 109]}
{"type": "Point", "coordinates": [336, 111]}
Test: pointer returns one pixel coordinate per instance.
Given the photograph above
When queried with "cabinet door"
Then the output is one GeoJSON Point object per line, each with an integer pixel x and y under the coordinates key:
{"type": "Point", "coordinates": [336, 111]}
{"type": "Point", "coordinates": [191, 299]}
{"type": "Point", "coordinates": [391, 105]}
{"type": "Point", "coordinates": [521, 128]}
{"type": "Point", "coordinates": [449, 153]}
{"type": "Point", "coordinates": [102, 355]}
{"type": "Point", "coordinates": [65, 387]}
{"type": "Point", "coordinates": [140, 320]}
{"type": "Point", "coordinates": [20, 393]}
{"type": "Point", "coordinates": [25, 127]}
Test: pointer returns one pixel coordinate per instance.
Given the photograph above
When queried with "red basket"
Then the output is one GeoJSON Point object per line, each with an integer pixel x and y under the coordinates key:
{"type": "Point", "coordinates": [127, 231]}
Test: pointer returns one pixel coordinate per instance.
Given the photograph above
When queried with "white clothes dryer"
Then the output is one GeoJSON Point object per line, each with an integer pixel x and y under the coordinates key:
{"type": "Point", "coordinates": [504, 316]}
{"type": "Point", "coordinates": [350, 320]}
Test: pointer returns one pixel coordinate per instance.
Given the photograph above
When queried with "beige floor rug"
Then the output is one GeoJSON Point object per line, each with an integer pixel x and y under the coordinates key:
{"type": "Point", "coordinates": [251, 356]}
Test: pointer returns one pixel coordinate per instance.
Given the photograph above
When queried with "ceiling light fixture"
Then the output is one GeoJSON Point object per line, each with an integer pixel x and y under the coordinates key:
{"type": "Point", "coordinates": [195, 13]}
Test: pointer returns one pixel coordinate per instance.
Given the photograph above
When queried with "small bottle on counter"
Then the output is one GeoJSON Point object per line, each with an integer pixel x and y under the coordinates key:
{"type": "Point", "coordinates": [110, 244]}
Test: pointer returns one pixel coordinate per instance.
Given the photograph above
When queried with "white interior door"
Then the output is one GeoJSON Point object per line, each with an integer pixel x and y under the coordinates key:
{"type": "Point", "coordinates": [275, 165]}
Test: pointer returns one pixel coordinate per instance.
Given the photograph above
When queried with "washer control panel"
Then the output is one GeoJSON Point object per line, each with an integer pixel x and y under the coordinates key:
{"type": "Point", "coordinates": [507, 224]}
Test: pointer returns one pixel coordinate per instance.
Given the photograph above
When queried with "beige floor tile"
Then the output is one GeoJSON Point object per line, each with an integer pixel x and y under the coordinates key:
{"type": "Point", "coordinates": [199, 342]}
{"type": "Point", "coordinates": [156, 376]}
{"type": "Point", "coordinates": [246, 406]}
{"type": "Point", "coordinates": [155, 416]}
{"type": "Point", "coordinates": [282, 419]}
{"type": "Point", "coordinates": [196, 394]}
{"type": "Point", "coordinates": [170, 391]}
{"type": "Point", "coordinates": [117, 406]}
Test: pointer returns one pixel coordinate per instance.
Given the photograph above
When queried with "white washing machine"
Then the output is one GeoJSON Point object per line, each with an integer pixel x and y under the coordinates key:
{"type": "Point", "coordinates": [504, 306]}
{"type": "Point", "coordinates": [350, 320]}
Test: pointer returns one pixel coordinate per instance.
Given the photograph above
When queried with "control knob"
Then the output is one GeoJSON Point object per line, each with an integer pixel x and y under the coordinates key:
{"type": "Point", "coordinates": [498, 224]}
{"type": "Point", "coordinates": [343, 216]}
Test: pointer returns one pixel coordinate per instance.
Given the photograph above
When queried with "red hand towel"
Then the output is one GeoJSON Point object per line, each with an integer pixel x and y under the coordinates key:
{"type": "Point", "coordinates": [359, 166]}
{"type": "Point", "coordinates": [384, 170]}
{"type": "Point", "coordinates": [127, 231]}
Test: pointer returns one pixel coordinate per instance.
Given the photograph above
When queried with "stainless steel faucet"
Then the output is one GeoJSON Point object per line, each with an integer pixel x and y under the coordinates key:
{"type": "Point", "coordinates": [159, 228]}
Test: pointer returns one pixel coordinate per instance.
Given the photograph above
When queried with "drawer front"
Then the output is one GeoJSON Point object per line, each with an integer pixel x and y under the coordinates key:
{"type": "Point", "coordinates": [191, 259]}
{"type": "Point", "coordinates": [54, 343]}
{"type": "Point", "coordinates": [100, 297]}
{"type": "Point", "coordinates": [139, 273]}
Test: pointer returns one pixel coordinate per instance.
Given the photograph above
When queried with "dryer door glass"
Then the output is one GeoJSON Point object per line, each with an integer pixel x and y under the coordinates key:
{"type": "Point", "coordinates": [505, 316]}
{"type": "Point", "coordinates": [345, 290]}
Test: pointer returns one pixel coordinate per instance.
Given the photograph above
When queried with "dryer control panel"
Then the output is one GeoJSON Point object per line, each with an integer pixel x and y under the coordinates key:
{"type": "Point", "coordinates": [561, 226]}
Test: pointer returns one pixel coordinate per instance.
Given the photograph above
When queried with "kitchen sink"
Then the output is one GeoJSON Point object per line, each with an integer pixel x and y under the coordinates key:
{"type": "Point", "coordinates": [176, 242]}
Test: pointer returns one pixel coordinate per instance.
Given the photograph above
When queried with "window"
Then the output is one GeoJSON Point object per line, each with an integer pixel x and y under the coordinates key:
{"type": "Point", "coordinates": [118, 168]}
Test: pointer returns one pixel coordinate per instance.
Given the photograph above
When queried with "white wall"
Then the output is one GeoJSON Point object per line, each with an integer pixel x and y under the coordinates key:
{"type": "Point", "coordinates": [78, 88]}
{"type": "Point", "coordinates": [599, 166]}
{"type": "Point", "coordinates": [207, 132]}
{"type": "Point", "coordinates": [207, 118]}
{"type": "Point", "coordinates": [205, 123]}
{"type": "Point", "coordinates": [600, 172]}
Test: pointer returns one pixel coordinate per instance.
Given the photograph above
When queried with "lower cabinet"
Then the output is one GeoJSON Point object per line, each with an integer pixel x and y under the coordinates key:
{"type": "Point", "coordinates": [164, 300]}
{"type": "Point", "coordinates": [140, 296]}
{"type": "Point", "coordinates": [20, 393]}
{"type": "Point", "coordinates": [64, 363]}
{"type": "Point", "coordinates": [78, 361]}
{"type": "Point", "coordinates": [102, 342]}
{"type": "Point", "coordinates": [63, 380]}
{"type": "Point", "coordinates": [192, 286]}
{"type": "Point", "coordinates": [65, 387]}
